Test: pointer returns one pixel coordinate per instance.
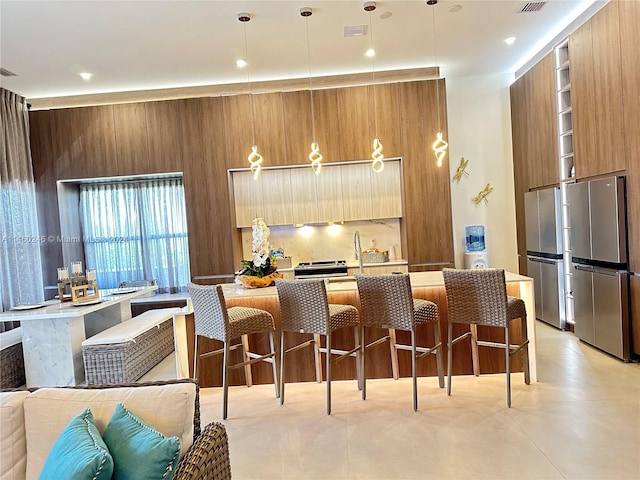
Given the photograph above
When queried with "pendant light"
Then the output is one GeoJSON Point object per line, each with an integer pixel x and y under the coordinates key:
{"type": "Point", "coordinates": [377, 155]}
{"type": "Point", "coordinates": [440, 145]}
{"type": "Point", "coordinates": [315, 157]}
{"type": "Point", "coordinates": [254, 158]}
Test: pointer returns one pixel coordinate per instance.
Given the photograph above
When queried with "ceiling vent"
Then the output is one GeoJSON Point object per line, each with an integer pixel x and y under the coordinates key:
{"type": "Point", "coordinates": [355, 30]}
{"type": "Point", "coordinates": [6, 73]}
{"type": "Point", "coordinates": [532, 7]}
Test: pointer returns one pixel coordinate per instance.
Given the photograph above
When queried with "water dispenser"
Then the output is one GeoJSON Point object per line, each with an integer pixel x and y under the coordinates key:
{"type": "Point", "coordinates": [476, 255]}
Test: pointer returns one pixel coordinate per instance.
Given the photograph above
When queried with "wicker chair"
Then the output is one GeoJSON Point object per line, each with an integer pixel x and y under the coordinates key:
{"type": "Point", "coordinates": [214, 320]}
{"type": "Point", "coordinates": [386, 302]}
{"type": "Point", "coordinates": [304, 308]}
{"type": "Point", "coordinates": [479, 297]}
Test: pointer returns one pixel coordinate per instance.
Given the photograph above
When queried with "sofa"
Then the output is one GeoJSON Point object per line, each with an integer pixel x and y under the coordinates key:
{"type": "Point", "coordinates": [33, 419]}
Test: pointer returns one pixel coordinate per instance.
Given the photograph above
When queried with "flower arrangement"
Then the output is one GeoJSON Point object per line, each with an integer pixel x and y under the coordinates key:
{"type": "Point", "coordinates": [261, 270]}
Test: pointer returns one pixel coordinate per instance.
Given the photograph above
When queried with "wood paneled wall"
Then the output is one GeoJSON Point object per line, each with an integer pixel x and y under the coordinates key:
{"type": "Point", "coordinates": [203, 137]}
{"type": "Point", "coordinates": [534, 139]}
{"type": "Point", "coordinates": [605, 97]}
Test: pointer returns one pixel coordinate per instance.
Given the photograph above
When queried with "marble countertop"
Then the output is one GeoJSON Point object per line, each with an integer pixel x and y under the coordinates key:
{"type": "Point", "coordinates": [57, 309]}
{"type": "Point", "coordinates": [348, 284]}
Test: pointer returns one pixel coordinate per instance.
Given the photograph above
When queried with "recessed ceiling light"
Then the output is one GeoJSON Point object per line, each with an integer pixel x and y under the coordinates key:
{"type": "Point", "coordinates": [241, 63]}
{"type": "Point", "coordinates": [385, 15]}
{"type": "Point", "coordinates": [86, 75]}
{"type": "Point", "coordinates": [510, 40]}
{"type": "Point", "coordinates": [370, 53]}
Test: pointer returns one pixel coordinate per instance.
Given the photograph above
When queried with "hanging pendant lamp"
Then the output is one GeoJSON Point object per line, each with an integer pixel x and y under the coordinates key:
{"type": "Point", "coordinates": [254, 158]}
{"type": "Point", "coordinates": [377, 156]}
{"type": "Point", "coordinates": [440, 145]}
{"type": "Point", "coordinates": [315, 157]}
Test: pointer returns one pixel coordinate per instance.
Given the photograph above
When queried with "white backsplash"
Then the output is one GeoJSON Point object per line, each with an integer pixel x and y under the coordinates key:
{"type": "Point", "coordinates": [330, 242]}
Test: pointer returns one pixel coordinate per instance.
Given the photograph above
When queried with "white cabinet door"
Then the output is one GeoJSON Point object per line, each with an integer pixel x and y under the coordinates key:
{"type": "Point", "coordinates": [329, 184]}
{"type": "Point", "coordinates": [304, 197]}
{"type": "Point", "coordinates": [386, 191]}
{"type": "Point", "coordinates": [247, 194]}
{"type": "Point", "coordinates": [276, 196]}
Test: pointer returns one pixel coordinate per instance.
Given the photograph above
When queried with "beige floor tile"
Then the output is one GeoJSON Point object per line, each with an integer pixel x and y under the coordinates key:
{"type": "Point", "coordinates": [580, 421]}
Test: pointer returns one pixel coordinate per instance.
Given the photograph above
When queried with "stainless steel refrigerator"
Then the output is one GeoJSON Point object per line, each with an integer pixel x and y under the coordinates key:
{"type": "Point", "coordinates": [544, 254]}
{"type": "Point", "coordinates": [597, 218]}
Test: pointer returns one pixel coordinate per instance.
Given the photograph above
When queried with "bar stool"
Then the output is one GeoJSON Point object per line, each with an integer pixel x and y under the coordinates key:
{"type": "Point", "coordinates": [304, 308]}
{"type": "Point", "coordinates": [386, 302]}
{"type": "Point", "coordinates": [214, 320]}
{"type": "Point", "coordinates": [479, 297]}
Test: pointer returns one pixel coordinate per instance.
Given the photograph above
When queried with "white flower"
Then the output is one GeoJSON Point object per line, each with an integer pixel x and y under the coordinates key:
{"type": "Point", "coordinates": [260, 247]}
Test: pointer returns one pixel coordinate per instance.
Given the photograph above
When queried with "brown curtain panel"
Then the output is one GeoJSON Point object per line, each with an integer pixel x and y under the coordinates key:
{"type": "Point", "coordinates": [20, 263]}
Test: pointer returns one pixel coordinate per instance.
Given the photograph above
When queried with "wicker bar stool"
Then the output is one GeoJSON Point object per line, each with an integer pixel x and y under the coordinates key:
{"type": "Point", "coordinates": [479, 297]}
{"type": "Point", "coordinates": [304, 308]}
{"type": "Point", "coordinates": [214, 320]}
{"type": "Point", "coordinates": [386, 302]}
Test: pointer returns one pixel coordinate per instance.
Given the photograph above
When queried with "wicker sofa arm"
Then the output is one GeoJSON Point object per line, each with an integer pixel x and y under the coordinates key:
{"type": "Point", "coordinates": [208, 457]}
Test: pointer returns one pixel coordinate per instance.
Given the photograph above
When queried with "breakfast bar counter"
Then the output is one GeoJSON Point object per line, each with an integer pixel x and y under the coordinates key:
{"type": "Point", "coordinates": [426, 285]}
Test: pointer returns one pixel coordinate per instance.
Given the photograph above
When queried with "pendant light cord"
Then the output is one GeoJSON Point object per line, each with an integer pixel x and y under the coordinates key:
{"type": "Point", "coordinates": [435, 61]}
{"type": "Point", "coordinates": [313, 120]}
{"type": "Point", "coordinates": [373, 78]}
{"type": "Point", "coordinates": [246, 55]}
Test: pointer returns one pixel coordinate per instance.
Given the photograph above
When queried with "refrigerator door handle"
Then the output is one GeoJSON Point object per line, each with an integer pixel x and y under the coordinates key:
{"type": "Point", "coordinates": [584, 268]}
{"type": "Point", "coordinates": [542, 260]}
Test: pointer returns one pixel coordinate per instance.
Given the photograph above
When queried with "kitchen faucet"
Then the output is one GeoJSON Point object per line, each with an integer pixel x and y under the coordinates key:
{"type": "Point", "coordinates": [358, 250]}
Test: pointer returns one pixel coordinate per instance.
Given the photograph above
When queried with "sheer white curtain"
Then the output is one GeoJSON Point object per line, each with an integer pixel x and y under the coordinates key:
{"type": "Point", "coordinates": [136, 231]}
{"type": "Point", "coordinates": [20, 262]}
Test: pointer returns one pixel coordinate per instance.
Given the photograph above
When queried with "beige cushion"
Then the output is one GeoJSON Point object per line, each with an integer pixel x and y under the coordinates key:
{"type": "Point", "coordinates": [13, 446]}
{"type": "Point", "coordinates": [10, 337]}
{"type": "Point", "coordinates": [167, 408]}
{"type": "Point", "coordinates": [127, 331]}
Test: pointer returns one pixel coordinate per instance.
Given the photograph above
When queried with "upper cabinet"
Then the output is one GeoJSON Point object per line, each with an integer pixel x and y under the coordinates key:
{"type": "Point", "coordinates": [290, 196]}
{"type": "Point", "coordinates": [596, 90]}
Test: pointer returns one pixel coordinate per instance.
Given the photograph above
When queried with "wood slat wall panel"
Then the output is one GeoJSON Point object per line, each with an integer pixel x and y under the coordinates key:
{"type": "Point", "coordinates": [95, 143]}
{"type": "Point", "coordinates": [429, 236]}
{"type": "Point", "coordinates": [610, 143]}
{"type": "Point", "coordinates": [177, 141]}
{"type": "Point", "coordinates": [385, 113]}
{"type": "Point", "coordinates": [164, 137]}
{"type": "Point", "coordinates": [269, 120]}
{"type": "Point", "coordinates": [132, 149]}
{"type": "Point", "coordinates": [583, 110]}
{"type": "Point", "coordinates": [208, 215]}
{"type": "Point", "coordinates": [635, 314]}
{"type": "Point", "coordinates": [325, 114]}
{"type": "Point", "coordinates": [62, 136]}
{"type": "Point", "coordinates": [46, 197]}
{"type": "Point", "coordinates": [238, 130]}
{"type": "Point", "coordinates": [543, 127]}
{"type": "Point", "coordinates": [629, 12]}
{"type": "Point", "coordinates": [298, 128]}
{"type": "Point", "coordinates": [353, 123]}
{"type": "Point", "coordinates": [520, 166]}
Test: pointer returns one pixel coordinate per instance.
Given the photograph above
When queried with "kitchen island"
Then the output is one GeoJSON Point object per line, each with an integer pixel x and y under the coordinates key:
{"type": "Point", "coordinates": [425, 285]}
{"type": "Point", "coordinates": [52, 335]}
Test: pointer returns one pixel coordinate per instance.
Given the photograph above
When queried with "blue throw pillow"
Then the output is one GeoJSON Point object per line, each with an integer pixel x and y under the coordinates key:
{"type": "Point", "coordinates": [139, 452]}
{"type": "Point", "coordinates": [79, 453]}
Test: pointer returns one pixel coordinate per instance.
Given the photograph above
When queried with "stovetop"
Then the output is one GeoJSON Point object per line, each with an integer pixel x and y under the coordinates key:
{"type": "Point", "coordinates": [321, 269]}
{"type": "Point", "coordinates": [322, 264]}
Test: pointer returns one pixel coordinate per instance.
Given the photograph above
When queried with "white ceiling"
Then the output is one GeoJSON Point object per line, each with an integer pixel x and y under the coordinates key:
{"type": "Point", "coordinates": [144, 45]}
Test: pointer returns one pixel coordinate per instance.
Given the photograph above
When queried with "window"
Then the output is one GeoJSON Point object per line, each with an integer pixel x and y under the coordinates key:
{"type": "Point", "coordinates": [136, 231]}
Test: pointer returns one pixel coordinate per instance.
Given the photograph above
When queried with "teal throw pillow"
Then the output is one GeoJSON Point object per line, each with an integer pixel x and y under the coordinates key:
{"type": "Point", "coordinates": [139, 452]}
{"type": "Point", "coordinates": [79, 453]}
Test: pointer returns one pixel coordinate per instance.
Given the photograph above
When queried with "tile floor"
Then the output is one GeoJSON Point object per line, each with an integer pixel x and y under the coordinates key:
{"type": "Point", "coordinates": [581, 420]}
